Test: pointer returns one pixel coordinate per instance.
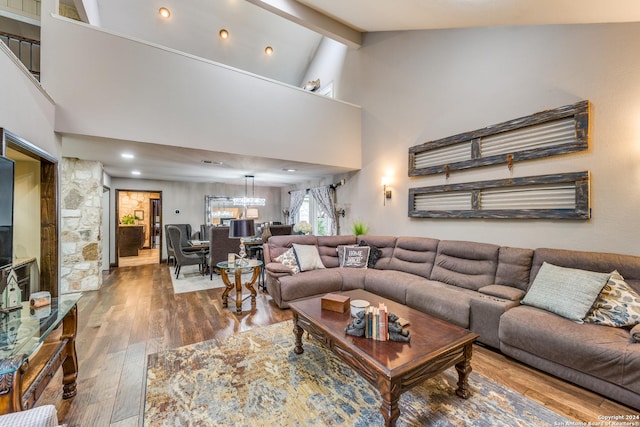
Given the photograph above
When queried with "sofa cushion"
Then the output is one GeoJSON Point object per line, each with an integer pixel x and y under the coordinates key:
{"type": "Point", "coordinates": [635, 333]}
{"type": "Point", "coordinates": [355, 257]}
{"type": "Point", "coordinates": [310, 283]}
{"type": "Point", "coordinates": [440, 300]}
{"type": "Point", "coordinates": [352, 278]}
{"type": "Point", "coordinates": [388, 283]}
{"type": "Point", "coordinates": [276, 245]}
{"type": "Point", "coordinates": [414, 255]}
{"type": "Point", "coordinates": [568, 292]}
{"type": "Point", "coordinates": [617, 305]}
{"type": "Point", "coordinates": [288, 259]}
{"type": "Point", "coordinates": [504, 292]}
{"type": "Point", "coordinates": [600, 351]}
{"type": "Point", "coordinates": [468, 265]}
{"type": "Point", "coordinates": [307, 257]}
{"type": "Point", "coordinates": [514, 267]}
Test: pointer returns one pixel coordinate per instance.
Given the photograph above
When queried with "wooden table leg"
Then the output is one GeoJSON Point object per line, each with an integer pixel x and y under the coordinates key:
{"type": "Point", "coordinates": [229, 285]}
{"type": "Point", "coordinates": [297, 331]}
{"type": "Point", "coordinates": [464, 369]}
{"type": "Point", "coordinates": [70, 364]}
{"type": "Point", "coordinates": [390, 393]}
{"type": "Point", "coordinates": [250, 283]}
{"type": "Point", "coordinates": [238, 279]}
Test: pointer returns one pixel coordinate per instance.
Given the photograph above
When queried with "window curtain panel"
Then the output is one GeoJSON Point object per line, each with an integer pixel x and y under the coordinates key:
{"type": "Point", "coordinates": [324, 198]}
{"type": "Point", "coordinates": [297, 197]}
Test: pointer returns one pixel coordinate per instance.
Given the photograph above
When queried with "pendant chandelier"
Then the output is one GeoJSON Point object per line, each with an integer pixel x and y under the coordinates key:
{"type": "Point", "coordinates": [249, 203]}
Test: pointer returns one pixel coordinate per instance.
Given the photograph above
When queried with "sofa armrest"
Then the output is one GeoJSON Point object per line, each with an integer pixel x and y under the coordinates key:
{"type": "Point", "coordinates": [277, 269]}
{"type": "Point", "coordinates": [503, 292]}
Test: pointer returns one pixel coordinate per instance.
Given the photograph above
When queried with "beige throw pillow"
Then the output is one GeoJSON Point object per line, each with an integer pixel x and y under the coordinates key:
{"type": "Point", "coordinates": [308, 257]}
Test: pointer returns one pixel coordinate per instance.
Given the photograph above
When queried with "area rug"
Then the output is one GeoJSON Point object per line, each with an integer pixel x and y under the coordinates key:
{"type": "Point", "coordinates": [192, 280]}
{"type": "Point", "coordinates": [255, 379]}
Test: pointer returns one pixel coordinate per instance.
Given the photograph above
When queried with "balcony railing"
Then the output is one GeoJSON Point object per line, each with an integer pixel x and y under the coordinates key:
{"type": "Point", "coordinates": [26, 50]}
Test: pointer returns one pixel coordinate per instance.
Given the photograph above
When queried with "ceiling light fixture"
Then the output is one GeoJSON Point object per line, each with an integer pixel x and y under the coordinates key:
{"type": "Point", "coordinates": [268, 50]}
{"type": "Point", "coordinates": [164, 12]}
{"type": "Point", "coordinates": [127, 156]}
{"type": "Point", "coordinates": [289, 170]}
{"type": "Point", "coordinates": [249, 201]}
{"type": "Point", "coordinates": [136, 173]}
{"type": "Point", "coordinates": [224, 34]}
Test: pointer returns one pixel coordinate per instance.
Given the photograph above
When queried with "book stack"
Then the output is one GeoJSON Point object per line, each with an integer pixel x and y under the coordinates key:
{"type": "Point", "coordinates": [377, 326]}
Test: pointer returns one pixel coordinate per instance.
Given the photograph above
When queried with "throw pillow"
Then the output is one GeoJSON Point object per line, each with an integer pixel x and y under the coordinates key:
{"type": "Point", "coordinates": [340, 250]}
{"type": "Point", "coordinates": [567, 292]}
{"type": "Point", "coordinates": [288, 259]}
{"type": "Point", "coordinates": [618, 305]}
{"type": "Point", "coordinates": [356, 257]}
{"type": "Point", "coordinates": [374, 254]}
{"type": "Point", "coordinates": [635, 333]}
{"type": "Point", "coordinates": [308, 257]}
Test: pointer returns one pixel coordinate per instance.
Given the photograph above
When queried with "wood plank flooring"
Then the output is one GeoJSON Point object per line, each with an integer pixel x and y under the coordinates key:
{"type": "Point", "coordinates": [136, 313]}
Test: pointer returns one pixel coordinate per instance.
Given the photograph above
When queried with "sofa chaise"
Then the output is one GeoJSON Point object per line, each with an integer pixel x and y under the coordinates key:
{"type": "Point", "coordinates": [479, 286]}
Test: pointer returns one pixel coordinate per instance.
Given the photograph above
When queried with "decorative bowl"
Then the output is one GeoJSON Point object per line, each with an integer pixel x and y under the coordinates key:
{"type": "Point", "coordinates": [358, 305]}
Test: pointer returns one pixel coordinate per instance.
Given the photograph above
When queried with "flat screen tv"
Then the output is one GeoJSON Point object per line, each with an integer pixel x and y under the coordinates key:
{"type": "Point", "coordinates": [6, 211]}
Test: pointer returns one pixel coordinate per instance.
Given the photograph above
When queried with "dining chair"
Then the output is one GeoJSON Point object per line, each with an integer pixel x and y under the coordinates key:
{"type": "Point", "coordinates": [182, 258]}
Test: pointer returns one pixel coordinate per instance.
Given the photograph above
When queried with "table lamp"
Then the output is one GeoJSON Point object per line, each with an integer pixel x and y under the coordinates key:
{"type": "Point", "coordinates": [241, 228]}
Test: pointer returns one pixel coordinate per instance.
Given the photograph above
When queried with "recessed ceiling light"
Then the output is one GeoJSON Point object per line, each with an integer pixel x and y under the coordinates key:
{"type": "Point", "coordinates": [224, 34]}
{"type": "Point", "coordinates": [135, 173]}
{"type": "Point", "coordinates": [127, 156]}
{"type": "Point", "coordinates": [212, 162]}
{"type": "Point", "coordinates": [164, 12]}
{"type": "Point", "coordinates": [289, 170]}
{"type": "Point", "coordinates": [268, 50]}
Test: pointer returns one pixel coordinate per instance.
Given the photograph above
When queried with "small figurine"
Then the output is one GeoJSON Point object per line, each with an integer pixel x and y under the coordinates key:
{"type": "Point", "coordinates": [357, 326]}
{"type": "Point", "coordinates": [396, 333]}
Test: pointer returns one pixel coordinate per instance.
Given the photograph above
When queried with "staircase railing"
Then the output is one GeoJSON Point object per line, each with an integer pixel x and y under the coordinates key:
{"type": "Point", "coordinates": [26, 50]}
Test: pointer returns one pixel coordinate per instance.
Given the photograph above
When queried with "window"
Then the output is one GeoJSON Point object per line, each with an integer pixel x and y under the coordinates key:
{"type": "Point", "coordinates": [314, 215]}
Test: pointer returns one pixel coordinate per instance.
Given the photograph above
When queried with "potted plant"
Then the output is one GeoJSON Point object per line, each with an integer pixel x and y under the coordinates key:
{"type": "Point", "coordinates": [359, 228]}
{"type": "Point", "coordinates": [129, 219]}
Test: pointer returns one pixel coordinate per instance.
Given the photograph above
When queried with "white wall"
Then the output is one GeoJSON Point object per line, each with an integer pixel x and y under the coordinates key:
{"type": "Point", "coordinates": [26, 110]}
{"type": "Point", "coordinates": [188, 198]}
{"type": "Point", "coordinates": [110, 86]}
{"type": "Point", "coordinates": [327, 65]}
{"type": "Point", "coordinates": [420, 86]}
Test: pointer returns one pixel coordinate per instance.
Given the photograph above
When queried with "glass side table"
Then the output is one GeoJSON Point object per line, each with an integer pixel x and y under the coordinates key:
{"type": "Point", "coordinates": [225, 268]}
{"type": "Point", "coordinates": [32, 349]}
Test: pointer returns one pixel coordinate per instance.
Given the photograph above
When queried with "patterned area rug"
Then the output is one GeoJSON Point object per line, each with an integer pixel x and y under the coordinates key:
{"type": "Point", "coordinates": [255, 379]}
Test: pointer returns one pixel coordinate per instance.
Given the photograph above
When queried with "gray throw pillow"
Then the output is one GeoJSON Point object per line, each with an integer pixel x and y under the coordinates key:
{"type": "Point", "coordinates": [355, 257]}
{"type": "Point", "coordinates": [567, 292]}
{"type": "Point", "coordinates": [308, 257]}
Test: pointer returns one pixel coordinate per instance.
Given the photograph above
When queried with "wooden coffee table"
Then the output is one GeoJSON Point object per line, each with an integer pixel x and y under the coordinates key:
{"type": "Point", "coordinates": [392, 367]}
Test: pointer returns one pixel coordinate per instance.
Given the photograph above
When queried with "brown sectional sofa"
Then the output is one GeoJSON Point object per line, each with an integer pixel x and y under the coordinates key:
{"type": "Point", "coordinates": [479, 286]}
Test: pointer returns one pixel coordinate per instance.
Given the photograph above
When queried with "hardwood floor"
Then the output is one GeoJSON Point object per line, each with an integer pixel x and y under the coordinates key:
{"type": "Point", "coordinates": [136, 313]}
{"type": "Point", "coordinates": [145, 256]}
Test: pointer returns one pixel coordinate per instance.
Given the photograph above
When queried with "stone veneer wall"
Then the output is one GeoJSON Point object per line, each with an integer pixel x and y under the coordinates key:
{"type": "Point", "coordinates": [81, 215]}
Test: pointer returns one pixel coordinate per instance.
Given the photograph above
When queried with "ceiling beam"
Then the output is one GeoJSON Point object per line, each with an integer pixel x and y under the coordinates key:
{"type": "Point", "coordinates": [313, 20]}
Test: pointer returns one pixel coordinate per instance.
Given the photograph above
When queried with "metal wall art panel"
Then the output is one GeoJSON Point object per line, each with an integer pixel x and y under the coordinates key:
{"type": "Point", "coordinates": [547, 133]}
{"type": "Point", "coordinates": [557, 196]}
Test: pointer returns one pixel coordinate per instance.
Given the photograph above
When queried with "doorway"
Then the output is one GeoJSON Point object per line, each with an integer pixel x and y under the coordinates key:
{"type": "Point", "coordinates": [138, 227]}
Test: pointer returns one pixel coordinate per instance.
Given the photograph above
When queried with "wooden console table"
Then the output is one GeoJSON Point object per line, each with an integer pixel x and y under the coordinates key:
{"type": "Point", "coordinates": [32, 348]}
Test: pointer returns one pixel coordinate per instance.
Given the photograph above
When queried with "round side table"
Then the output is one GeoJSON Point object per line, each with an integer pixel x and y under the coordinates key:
{"type": "Point", "coordinates": [225, 268]}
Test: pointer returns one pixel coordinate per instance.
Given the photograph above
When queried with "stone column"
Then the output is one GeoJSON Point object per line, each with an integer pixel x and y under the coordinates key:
{"type": "Point", "coordinates": [81, 221]}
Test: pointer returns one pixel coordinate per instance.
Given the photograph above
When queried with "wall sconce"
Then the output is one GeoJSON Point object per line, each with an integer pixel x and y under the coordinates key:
{"type": "Point", "coordinates": [386, 192]}
{"type": "Point", "coordinates": [164, 12]}
{"type": "Point", "coordinates": [340, 212]}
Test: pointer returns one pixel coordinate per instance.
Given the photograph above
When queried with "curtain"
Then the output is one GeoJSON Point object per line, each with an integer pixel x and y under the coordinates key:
{"type": "Point", "coordinates": [324, 198]}
{"type": "Point", "coordinates": [297, 197]}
